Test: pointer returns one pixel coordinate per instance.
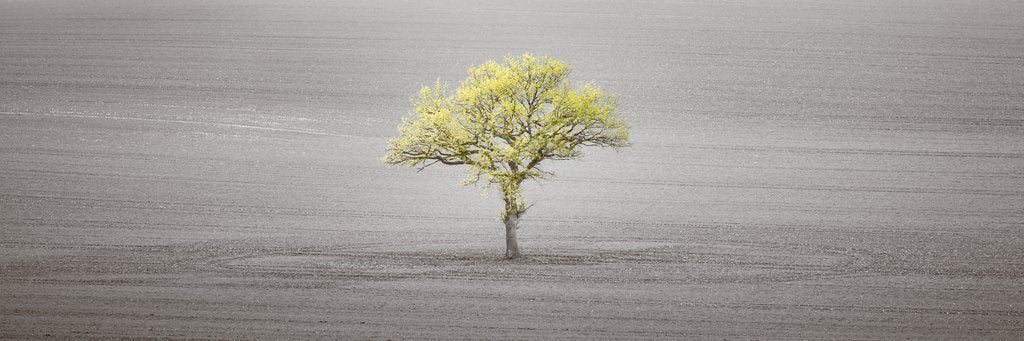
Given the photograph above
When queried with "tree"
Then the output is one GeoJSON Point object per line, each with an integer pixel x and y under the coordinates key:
{"type": "Point", "coordinates": [503, 121]}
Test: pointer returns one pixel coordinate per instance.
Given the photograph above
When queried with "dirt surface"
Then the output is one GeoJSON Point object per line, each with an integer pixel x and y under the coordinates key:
{"type": "Point", "coordinates": [800, 170]}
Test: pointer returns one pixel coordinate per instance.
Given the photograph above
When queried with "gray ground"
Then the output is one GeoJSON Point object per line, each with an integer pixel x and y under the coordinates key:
{"type": "Point", "coordinates": [801, 170]}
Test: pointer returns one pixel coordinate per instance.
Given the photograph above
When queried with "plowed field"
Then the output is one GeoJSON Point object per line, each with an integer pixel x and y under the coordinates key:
{"type": "Point", "coordinates": [799, 170]}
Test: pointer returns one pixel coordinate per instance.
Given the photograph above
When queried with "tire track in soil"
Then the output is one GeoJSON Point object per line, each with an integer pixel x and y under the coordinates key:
{"type": "Point", "coordinates": [348, 262]}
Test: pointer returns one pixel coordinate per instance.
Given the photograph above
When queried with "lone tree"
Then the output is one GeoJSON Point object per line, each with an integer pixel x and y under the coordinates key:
{"type": "Point", "coordinates": [502, 121]}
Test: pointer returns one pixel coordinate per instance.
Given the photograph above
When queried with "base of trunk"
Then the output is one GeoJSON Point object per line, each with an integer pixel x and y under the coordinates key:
{"type": "Point", "coordinates": [511, 245]}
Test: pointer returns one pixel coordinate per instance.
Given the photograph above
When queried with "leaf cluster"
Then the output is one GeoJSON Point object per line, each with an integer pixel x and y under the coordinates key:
{"type": "Point", "coordinates": [505, 119]}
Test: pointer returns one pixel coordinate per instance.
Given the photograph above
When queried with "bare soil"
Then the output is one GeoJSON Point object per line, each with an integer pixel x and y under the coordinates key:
{"type": "Point", "coordinates": [800, 170]}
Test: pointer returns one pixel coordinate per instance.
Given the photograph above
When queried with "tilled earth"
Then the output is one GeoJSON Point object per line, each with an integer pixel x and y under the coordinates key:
{"type": "Point", "coordinates": [800, 170]}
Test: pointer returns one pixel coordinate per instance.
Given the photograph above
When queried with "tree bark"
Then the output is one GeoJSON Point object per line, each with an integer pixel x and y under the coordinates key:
{"type": "Point", "coordinates": [514, 209]}
{"type": "Point", "coordinates": [511, 244]}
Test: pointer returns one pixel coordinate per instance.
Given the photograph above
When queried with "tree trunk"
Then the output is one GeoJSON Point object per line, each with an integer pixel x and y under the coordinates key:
{"type": "Point", "coordinates": [511, 245]}
{"type": "Point", "coordinates": [514, 210]}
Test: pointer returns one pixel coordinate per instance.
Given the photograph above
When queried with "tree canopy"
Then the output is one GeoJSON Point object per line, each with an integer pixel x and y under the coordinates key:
{"type": "Point", "coordinates": [503, 121]}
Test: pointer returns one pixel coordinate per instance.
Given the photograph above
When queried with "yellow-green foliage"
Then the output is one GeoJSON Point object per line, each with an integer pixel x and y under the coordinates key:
{"type": "Point", "coordinates": [503, 120]}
